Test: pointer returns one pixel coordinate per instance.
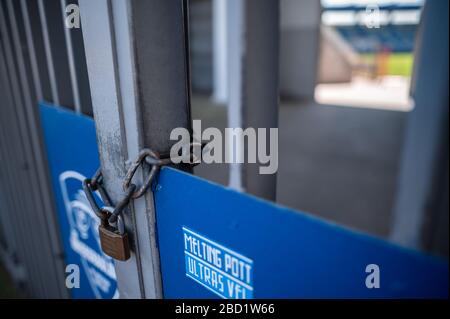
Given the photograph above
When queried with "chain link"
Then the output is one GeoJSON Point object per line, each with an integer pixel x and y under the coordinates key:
{"type": "Point", "coordinates": [89, 187]}
{"type": "Point", "coordinates": [145, 157]}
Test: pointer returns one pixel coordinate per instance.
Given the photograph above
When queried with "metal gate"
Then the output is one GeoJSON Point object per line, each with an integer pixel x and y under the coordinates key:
{"type": "Point", "coordinates": [128, 67]}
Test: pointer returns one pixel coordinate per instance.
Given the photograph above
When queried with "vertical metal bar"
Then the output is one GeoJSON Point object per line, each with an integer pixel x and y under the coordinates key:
{"type": "Point", "coordinates": [163, 102]}
{"type": "Point", "coordinates": [9, 216]}
{"type": "Point", "coordinates": [236, 42]}
{"type": "Point", "coordinates": [56, 50]}
{"type": "Point", "coordinates": [7, 239]}
{"type": "Point", "coordinates": [18, 164]}
{"type": "Point", "coordinates": [253, 83]}
{"type": "Point", "coordinates": [48, 53]}
{"type": "Point", "coordinates": [426, 130]}
{"type": "Point", "coordinates": [41, 213]}
{"type": "Point", "coordinates": [32, 51]}
{"type": "Point", "coordinates": [220, 70]}
{"type": "Point", "coordinates": [71, 60]}
{"type": "Point", "coordinates": [142, 208]}
{"type": "Point", "coordinates": [5, 182]}
{"type": "Point", "coordinates": [138, 70]}
{"type": "Point", "coordinates": [25, 221]}
{"type": "Point", "coordinates": [35, 43]}
{"type": "Point", "coordinates": [15, 173]}
{"type": "Point", "coordinates": [51, 258]}
{"type": "Point", "coordinates": [163, 70]}
{"type": "Point", "coordinates": [98, 35]}
{"type": "Point", "coordinates": [260, 86]}
{"type": "Point", "coordinates": [17, 250]}
{"type": "Point", "coordinates": [79, 64]}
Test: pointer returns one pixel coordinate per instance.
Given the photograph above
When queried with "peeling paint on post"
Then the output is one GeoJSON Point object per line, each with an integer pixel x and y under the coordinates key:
{"type": "Point", "coordinates": [140, 92]}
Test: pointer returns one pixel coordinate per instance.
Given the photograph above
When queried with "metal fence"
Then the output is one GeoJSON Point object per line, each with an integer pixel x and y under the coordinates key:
{"type": "Point", "coordinates": [139, 93]}
{"type": "Point", "coordinates": [40, 60]}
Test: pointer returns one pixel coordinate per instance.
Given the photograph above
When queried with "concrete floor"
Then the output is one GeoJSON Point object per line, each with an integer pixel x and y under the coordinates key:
{"type": "Point", "coordinates": [335, 162]}
{"type": "Point", "coordinates": [387, 92]}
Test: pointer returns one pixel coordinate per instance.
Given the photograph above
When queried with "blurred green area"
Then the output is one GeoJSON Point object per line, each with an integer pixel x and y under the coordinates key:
{"type": "Point", "coordinates": [398, 63]}
{"type": "Point", "coordinates": [7, 289]}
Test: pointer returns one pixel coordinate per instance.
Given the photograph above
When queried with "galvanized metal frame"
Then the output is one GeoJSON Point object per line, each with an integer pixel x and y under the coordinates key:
{"type": "Point", "coordinates": [34, 44]}
{"type": "Point", "coordinates": [71, 61]}
{"type": "Point", "coordinates": [220, 70]}
{"type": "Point", "coordinates": [39, 172]}
{"type": "Point", "coordinates": [32, 50]}
{"type": "Point", "coordinates": [36, 48]}
{"type": "Point", "coordinates": [419, 211]}
{"type": "Point", "coordinates": [77, 65]}
{"type": "Point", "coordinates": [253, 50]}
{"type": "Point", "coordinates": [59, 70]}
{"type": "Point", "coordinates": [140, 91]}
{"type": "Point", "coordinates": [260, 87]}
{"type": "Point", "coordinates": [15, 253]}
{"type": "Point", "coordinates": [17, 175]}
{"type": "Point", "coordinates": [35, 214]}
{"type": "Point", "coordinates": [236, 42]}
{"type": "Point", "coordinates": [103, 77]}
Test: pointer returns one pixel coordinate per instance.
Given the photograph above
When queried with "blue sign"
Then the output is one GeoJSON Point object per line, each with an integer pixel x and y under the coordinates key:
{"type": "Point", "coordinates": [219, 269]}
{"type": "Point", "coordinates": [72, 156]}
{"type": "Point", "coordinates": [215, 242]}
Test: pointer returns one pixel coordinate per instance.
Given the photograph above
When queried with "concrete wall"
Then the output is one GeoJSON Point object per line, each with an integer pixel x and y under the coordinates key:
{"type": "Point", "coordinates": [299, 47]}
{"type": "Point", "coordinates": [337, 58]}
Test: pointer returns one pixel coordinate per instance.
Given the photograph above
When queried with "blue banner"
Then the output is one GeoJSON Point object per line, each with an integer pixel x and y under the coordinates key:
{"type": "Point", "coordinates": [219, 269]}
{"type": "Point", "coordinates": [218, 243]}
{"type": "Point", "coordinates": [72, 156]}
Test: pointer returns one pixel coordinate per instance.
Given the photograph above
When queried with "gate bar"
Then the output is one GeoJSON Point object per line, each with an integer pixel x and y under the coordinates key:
{"type": "Point", "coordinates": [260, 91]}
{"type": "Point", "coordinates": [37, 52]}
{"type": "Point", "coordinates": [40, 212]}
{"type": "Point", "coordinates": [253, 42]}
{"type": "Point", "coordinates": [136, 54]}
{"type": "Point", "coordinates": [15, 235]}
{"type": "Point", "coordinates": [71, 60]}
{"type": "Point", "coordinates": [52, 22]}
{"type": "Point", "coordinates": [100, 48]}
{"type": "Point", "coordinates": [419, 221]}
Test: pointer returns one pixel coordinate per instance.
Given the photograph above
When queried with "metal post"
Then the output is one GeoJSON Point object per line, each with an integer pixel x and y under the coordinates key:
{"type": "Point", "coordinates": [14, 162]}
{"type": "Point", "coordinates": [253, 82]}
{"type": "Point", "coordinates": [16, 251]}
{"type": "Point", "coordinates": [56, 52]}
{"type": "Point", "coordinates": [136, 54]}
{"type": "Point", "coordinates": [71, 61]}
{"type": "Point", "coordinates": [77, 65]}
{"type": "Point", "coordinates": [35, 44]}
{"type": "Point", "coordinates": [425, 154]}
{"type": "Point", "coordinates": [220, 70]}
{"type": "Point", "coordinates": [35, 211]}
{"type": "Point", "coordinates": [235, 40]}
{"type": "Point", "coordinates": [261, 84]}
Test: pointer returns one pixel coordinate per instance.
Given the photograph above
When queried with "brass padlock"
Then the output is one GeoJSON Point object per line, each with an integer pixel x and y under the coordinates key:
{"type": "Point", "coordinates": [114, 242]}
